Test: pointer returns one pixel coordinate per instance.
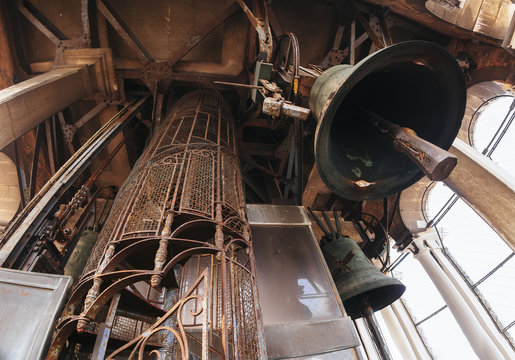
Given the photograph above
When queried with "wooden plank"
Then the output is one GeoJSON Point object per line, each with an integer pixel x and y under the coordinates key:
{"type": "Point", "coordinates": [25, 105]}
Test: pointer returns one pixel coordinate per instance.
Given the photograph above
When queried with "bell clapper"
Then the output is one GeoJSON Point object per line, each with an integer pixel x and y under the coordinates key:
{"type": "Point", "coordinates": [435, 162]}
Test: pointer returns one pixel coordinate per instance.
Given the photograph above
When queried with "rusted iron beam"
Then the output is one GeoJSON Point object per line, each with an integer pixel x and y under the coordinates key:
{"type": "Point", "coordinates": [196, 77]}
{"type": "Point", "coordinates": [41, 23]}
{"type": "Point", "coordinates": [314, 187]}
{"type": "Point", "coordinates": [262, 27]}
{"type": "Point", "coordinates": [124, 31]}
{"type": "Point", "coordinates": [86, 31]}
{"type": "Point", "coordinates": [387, 36]}
{"type": "Point", "coordinates": [68, 132]}
{"type": "Point", "coordinates": [204, 31]}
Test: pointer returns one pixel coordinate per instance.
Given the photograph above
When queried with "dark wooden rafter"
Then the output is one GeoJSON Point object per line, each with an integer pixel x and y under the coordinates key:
{"type": "Point", "coordinates": [123, 30]}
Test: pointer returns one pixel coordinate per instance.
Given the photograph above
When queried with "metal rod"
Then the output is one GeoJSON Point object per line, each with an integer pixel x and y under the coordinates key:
{"type": "Point", "coordinates": [318, 221]}
{"type": "Point", "coordinates": [238, 84]}
{"type": "Point", "coordinates": [337, 221]}
{"type": "Point", "coordinates": [375, 331]}
{"type": "Point", "coordinates": [328, 222]}
{"type": "Point", "coordinates": [86, 32]}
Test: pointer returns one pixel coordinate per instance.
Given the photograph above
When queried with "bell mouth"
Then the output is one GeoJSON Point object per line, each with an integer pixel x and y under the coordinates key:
{"type": "Point", "coordinates": [378, 299]}
{"type": "Point", "coordinates": [413, 84]}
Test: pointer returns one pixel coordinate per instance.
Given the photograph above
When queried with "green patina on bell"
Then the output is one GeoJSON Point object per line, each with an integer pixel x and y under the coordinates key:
{"type": "Point", "coordinates": [415, 84]}
{"type": "Point", "coordinates": [356, 277]}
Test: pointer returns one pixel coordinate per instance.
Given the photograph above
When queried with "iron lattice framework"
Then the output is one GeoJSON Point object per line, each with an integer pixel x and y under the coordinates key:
{"type": "Point", "coordinates": [177, 238]}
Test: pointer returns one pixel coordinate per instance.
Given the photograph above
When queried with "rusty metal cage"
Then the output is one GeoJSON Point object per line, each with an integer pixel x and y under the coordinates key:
{"type": "Point", "coordinates": [183, 203]}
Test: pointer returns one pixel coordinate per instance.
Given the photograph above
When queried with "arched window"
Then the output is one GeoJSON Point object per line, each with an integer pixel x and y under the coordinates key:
{"type": "Point", "coordinates": [480, 256]}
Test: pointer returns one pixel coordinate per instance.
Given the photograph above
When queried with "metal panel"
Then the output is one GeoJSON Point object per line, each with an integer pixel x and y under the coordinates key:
{"type": "Point", "coordinates": [277, 214]}
{"type": "Point", "coordinates": [302, 313]}
{"type": "Point", "coordinates": [30, 304]}
{"type": "Point", "coordinates": [310, 338]}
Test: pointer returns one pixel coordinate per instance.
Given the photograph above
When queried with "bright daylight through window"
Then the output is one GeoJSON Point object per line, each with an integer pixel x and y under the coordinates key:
{"type": "Point", "coordinates": [482, 258]}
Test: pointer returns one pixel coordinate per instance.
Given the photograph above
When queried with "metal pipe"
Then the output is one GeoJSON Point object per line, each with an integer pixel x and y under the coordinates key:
{"type": "Point", "coordinates": [375, 331]}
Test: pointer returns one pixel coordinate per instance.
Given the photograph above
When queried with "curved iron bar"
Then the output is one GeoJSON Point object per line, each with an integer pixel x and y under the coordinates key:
{"type": "Point", "coordinates": [229, 243]}
{"type": "Point", "coordinates": [64, 331]}
{"type": "Point", "coordinates": [82, 288]}
{"type": "Point", "coordinates": [189, 252]}
{"type": "Point", "coordinates": [176, 308]}
{"type": "Point", "coordinates": [144, 243]}
{"type": "Point", "coordinates": [187, 225]}
{"type": "Point", "coordinates": [158, 237]}
{"type": "Point", "coordinates": [128, 250]}
{"type": "Point", "coordinates": [111, 290]}
{"type": "Point", "coordinates": [141, 344]}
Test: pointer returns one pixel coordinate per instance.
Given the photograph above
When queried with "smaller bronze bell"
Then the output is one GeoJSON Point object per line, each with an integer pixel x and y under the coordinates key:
{"type": "Point", "coordinates": [358, 281]}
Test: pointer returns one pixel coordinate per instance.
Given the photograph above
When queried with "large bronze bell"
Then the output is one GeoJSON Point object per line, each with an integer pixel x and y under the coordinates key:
{"type": "Point", "coordinates": [359, 283]}
{"type": "Point", "coordinates": [416, 85]}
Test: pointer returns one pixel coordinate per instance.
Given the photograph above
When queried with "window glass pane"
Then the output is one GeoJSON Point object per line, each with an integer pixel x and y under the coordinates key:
{"type": "Point", "coordinates": [510, 333]}
{"type": "Point", "coordinates": [499, 292]}
{"type": "Point", "coordinates": [487, 125]}
{"type": "Point", "coordinates": [474, 245]}
{"type": "Point", "coordinates": [444, 338]}
{"type": "Point", "coordinates": [421, 297]}
{"type": "Point", "coordinates": [439, 194]}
